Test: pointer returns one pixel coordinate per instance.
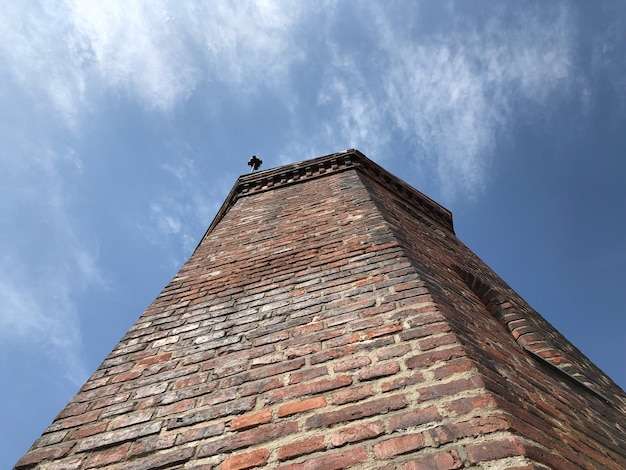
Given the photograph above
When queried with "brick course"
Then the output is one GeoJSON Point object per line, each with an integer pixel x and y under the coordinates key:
{"type": "Point", "coordinates": [328, 319]}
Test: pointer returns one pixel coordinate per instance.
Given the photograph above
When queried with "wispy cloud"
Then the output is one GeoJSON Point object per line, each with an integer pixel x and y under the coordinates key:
{"type": "Point", "coordinates": [449, 95]}
{"type": "Point", "coordinates": [43, 264]}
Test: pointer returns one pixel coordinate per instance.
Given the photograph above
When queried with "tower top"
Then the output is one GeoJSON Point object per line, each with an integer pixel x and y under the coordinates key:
{"type": "Point", "coordinates": [295, 173]}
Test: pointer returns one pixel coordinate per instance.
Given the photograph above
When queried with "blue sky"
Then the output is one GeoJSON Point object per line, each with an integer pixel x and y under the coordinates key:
{"type": "Point", "coordinates": [124, 125]}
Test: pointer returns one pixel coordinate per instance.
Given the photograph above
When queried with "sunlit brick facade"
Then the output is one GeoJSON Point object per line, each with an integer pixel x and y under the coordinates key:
{"type": "Point", "coordinates": [329, 319]}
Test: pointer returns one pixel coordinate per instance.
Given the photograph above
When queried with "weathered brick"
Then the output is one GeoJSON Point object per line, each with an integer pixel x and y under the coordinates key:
{"type": "Point", "coordinates": [107, 456]}
{"type": "Point", "coordinates": [450, 388]}
{"type": "Point", "coordinates": [401, 382]}
{"type": "Point", "coordinates": [467, 405]}
{"type": "Point", "coordinates": [308, 374]}
{"type": "Point", "coordinates": [441, 461]}
{"type": "Point", "coordinates": [301, 447]}
{"type": "Point", "coordinates": [74, 421]}
{"type": "Point", "coordinates": [90, 430]}
{"type": "Point", "coordinates": [398, 445]}
{"type": "Point", "coordinates": [300, 406]}
{"type": "Point", "coordinates": [494, 449]}
{"type": "Point", "coordinates": [353, 412]}
{"type": "Point", "coordinates": [456, 366]}
{"type": "Point", "coordinates": [169, 459]}
{"type": "Point", "coordinates": [151, 444]}
{"type": "Point", "coordinates": [195, 379]}
{"type": "Point", "coordinates": [199, 415]}
{"type": "Point", "coordinates": [199, 433]}
{"type": "Point", "coordinates": [379, 370]}
{"type": "Point", "coordinates": [383, 331]}
{"type": "Point", "coordinates": [309, 388]}
{"type": "Point", "coordinates": [413, 418]}
{"type": "Point", "coordinates": [131, 418]}
{"type": "Point", "coordinates": [260, 386]}
{"type": "Point", "coordinates": [118, 436]}
{"type": "Point", "coordinates": [37, 455]}
{"type": "Point", "coordinates": [393, 351]}
{"type": "Point", "coordinates": [256, 458]}
{"type": "Point", "coordinates": [154, 359]}
{"type": "Point", "coordinates": [250, 420]}
{"type": "Point", "coordinates": [352, 394]}
{"type": "Point", "coordinates": [351, 364]}
{"type": "Point", "coordinates": [331, 461]}
{"type": "Point", "coordinates": [432, 357]}
{"type": "Point", "coordinates": [247, 438]}
{"type": "Point", "coordinates": [356, 433]}
{"type": "Point", "coordinates": [126, 376]}
{"type": "Point", "coordinates": [477, 426]}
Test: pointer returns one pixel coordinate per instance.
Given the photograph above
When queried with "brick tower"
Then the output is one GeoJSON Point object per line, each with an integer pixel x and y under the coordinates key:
{"type": "Point", "coordinates": [330, 318]}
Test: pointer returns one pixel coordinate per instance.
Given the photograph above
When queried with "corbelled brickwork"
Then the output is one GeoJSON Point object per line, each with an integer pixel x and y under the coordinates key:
{"type": "Point", "coordinates": [330, 318]}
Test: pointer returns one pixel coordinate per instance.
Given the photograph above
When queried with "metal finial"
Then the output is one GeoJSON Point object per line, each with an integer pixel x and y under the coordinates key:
{"type": "Point", "coordinates": [255, 163]}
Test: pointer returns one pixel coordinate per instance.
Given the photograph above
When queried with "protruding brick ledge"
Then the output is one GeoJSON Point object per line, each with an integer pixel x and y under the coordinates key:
{"type": "Point", "coordinates": [323, 166]}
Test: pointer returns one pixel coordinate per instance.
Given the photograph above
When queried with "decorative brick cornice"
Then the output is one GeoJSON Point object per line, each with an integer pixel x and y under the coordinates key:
{"type": "Point", "coordinates": [350, 159]}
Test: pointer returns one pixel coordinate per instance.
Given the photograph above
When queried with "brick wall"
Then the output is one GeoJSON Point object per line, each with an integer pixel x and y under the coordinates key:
{"type": "Point", "coordinates": [331, 319]}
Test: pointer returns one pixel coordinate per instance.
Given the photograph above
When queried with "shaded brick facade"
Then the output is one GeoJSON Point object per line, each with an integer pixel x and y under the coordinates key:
{"type": "Point", "coordinates": [329, 319]}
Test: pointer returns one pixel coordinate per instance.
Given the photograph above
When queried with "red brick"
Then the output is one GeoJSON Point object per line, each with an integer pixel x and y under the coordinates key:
{"type": "Point", "coordinates": [260, 386]}
{"type": "Point", "coordinates": [309, 388]}
{"type": "Point", "coordinates": [105, 457]}
{"type": "Point", "coordinates": [90, 430]}
{"type": "Point", "coordinates": [154, 359]}
{"type": "Point", "coordinates": [334, 461]}
{"type": "Point", "coordinates": [247, 438]}
{"type": "Point", "coordinates": [300, 406]}
{"type": "Point", "coordinates": [301, 447]}
{"type": "Point", "coordinates": [74, 421]}
{"type": "Point", "coordinates": [440, 461]}
{"type": "Point", "coordinates": [450, 388]}
{"type": "Point", "coordinates": [126, 376]}
{"type": "Point", "coordinates": [198, 433]}
{"type": "Point", "coordinates": [383, 331]}
{"type": "Point", "coordinates": [398, 445]}
{"type": "Point", "coordinates": [37, 455]}
{"type": "Point", "coordinates": [359, 411]}
{"type": "Point", "coordinates": [252, 459]}
{"type": "Point", "coordinates": [401, 382]}
{"type": "Point", "coordinates": [379, 370]}
{"type": "Point", "coordinates": [342, 340]}
{"type": "Point", "coordinates": [477, 426]}
{"type": "Point", "coordinates": [494, 449]}
{"type": "Point", "coordinates": [356, 433]}
{"type": "Point", "coordinates": [422, 331]}
{"type": "Point", "coordinates": [465, 405]}
{"type": "Point", "coordinates": [305, 350]}
{"type": "Point", "coordinates": [455, 366]}
{"type": "Point", "coordinates": [169, 459]}
{"type": "Point", "coordinates": [352, 394]}
{"type": "Point", "coordinates": [413, 418]}
{"type": "Point", "coordinates": [350, 364]}
{"type": "Point", "coordinates": [393, 351]}
{"type": "Point", "coordinates": [267, 359]}
{"type": "Point", "coordinates": [251, 420]}
{"type": "Point", "coordinates": [152, 443]}
{"type": "Point", "coordinates": [308, 374]}
{"type": "Point", "coordinates": [118, 436]}
{"type": "Point", "coordinates": [432, 357]}
{"type": "Point", "coordinates": [72, 409]}
{"type": "Point", "coordinates": [195, 379]}
{"type": "Point", "coordinates": [432, 342]}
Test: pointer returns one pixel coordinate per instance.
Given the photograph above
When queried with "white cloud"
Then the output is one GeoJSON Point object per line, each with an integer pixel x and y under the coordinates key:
{"type": "Point", "coordinates": [449, 95]}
